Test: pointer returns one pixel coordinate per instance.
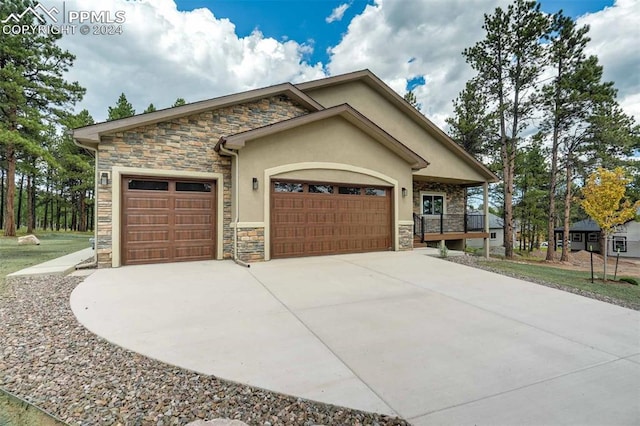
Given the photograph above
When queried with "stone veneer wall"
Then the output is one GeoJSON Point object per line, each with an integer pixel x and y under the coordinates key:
{"type": "Point", "coordinates": [455, 204]}
{"type": "Point", "coordinates": [251, 244]}
{"type": "Point", "coordinates": [405, 237]}
{"type": "Point", "coordinates": [184, 144]}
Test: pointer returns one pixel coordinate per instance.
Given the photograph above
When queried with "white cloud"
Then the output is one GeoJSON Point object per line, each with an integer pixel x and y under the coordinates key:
{"type": "Point", "coordinates": [614, 34]}
{"type": "Point", "coordinates": [399, 41]}
{"type": "Point", "coordinates": [164, 54]}
{"type": "Point", "coordinates": [337, 13]}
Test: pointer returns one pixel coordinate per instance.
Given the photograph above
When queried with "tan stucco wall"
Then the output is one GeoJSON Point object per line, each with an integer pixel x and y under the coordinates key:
{"type": "Point", "coordinates": [334, 141]}
{"type": "Point", "coordinates": [444, 163]}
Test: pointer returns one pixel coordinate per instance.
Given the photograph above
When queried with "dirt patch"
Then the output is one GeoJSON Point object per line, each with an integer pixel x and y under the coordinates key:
{"type": "Point", "coordinates": [581, 261]}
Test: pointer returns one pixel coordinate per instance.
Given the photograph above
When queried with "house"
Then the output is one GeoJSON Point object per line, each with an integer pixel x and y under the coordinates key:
{"type": "Point", "coordinates": [585, 235]}
{"type": "Point", "coordinates": [337, 165]}
{"type": "Point", "coordinates": [496, 230]}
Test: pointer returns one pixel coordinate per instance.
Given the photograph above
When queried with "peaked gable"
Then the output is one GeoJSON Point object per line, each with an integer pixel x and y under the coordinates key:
{"type": "Point", "coordinates": [344, 88]}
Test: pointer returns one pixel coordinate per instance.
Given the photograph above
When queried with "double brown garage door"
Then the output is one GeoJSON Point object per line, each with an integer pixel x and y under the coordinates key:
{"type": "Point", "coordinates": [167, 220]}
{"type": "Point", "coordinates": [309, 219]}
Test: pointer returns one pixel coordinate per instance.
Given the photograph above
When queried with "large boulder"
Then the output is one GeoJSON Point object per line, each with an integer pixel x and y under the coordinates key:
{"type": "Point", "coordinates": [28, 240]}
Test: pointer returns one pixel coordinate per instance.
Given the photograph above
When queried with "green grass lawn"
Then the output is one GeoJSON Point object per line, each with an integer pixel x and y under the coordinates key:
{"type": "Point", "coordinates": [574, 279]}
{"type": "Point", "coordinates": [14, 257]}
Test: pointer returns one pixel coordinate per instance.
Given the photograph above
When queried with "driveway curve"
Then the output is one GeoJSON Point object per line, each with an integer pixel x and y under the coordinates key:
{"type": "Point", "coordinates": [398, 333]}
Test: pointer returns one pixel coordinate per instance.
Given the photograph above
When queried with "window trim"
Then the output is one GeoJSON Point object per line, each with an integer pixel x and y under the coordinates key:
{"type": "Point", "coordinates": [574, 235]}
{"type": "Point", "coordinates": [619, 238]}
{"type": "Point", "coordinates": [431, 194]}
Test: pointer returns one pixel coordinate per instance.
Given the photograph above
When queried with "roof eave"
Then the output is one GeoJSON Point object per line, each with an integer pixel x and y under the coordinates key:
{"type": "Point", "coordinates": [94, 132]}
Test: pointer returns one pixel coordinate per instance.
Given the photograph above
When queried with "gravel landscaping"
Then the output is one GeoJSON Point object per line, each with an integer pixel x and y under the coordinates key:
{"type": "Point", "coordinates": [50, 360]}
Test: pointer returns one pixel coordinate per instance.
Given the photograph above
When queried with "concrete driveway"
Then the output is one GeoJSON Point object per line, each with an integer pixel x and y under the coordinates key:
{"type": "Point", "coordinates": [395, 332]}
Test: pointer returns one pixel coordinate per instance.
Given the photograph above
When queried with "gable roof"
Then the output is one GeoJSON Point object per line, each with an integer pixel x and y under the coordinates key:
{"type": "Point", "coordinates": [238, 140]}
{"type": "Point", "coordinates": [90, 135]}
{"type": "Point", "coordinates": [586, 225]}
{"type": "Point", "coordinates": [370, 79]}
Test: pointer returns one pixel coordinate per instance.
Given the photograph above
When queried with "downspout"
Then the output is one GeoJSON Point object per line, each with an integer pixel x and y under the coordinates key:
{"type": "Point", "coordinates": [236, 194]}
{"type": "Point", "coordinates": [93, 264]}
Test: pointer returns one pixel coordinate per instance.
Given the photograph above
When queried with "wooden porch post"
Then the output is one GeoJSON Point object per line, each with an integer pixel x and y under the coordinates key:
{"type": "Point", "coordinates": [485, 188]}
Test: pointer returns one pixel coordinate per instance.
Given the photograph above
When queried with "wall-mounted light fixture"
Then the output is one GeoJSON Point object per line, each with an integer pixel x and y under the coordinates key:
{"type": "Point", "coordinates": [104, 178]}
{"type": "Point", "coordinates": [404, 192]}
{"type": "Point", "coordinates": [255, 184]}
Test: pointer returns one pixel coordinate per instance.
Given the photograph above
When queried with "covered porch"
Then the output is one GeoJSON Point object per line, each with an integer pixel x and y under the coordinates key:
{"type": "Point", "coordinates": [440, 213]}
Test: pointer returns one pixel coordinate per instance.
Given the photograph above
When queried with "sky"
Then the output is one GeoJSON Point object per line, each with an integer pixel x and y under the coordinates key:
{"type": "Point", "coordinates": [203, 49]}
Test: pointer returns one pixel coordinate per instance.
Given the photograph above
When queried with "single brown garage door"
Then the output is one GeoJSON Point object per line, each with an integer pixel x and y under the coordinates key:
{"type": "Point", "coordinates": [167, 220]}
{"type": "Point", "coordinates": [310, 219]}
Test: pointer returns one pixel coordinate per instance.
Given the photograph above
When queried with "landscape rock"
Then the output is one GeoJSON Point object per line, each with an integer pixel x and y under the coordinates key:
{"type": "Point", "coordinates": [52, 361]}
{"type": "Point", "coordinates": [217, 422]}
{"type": "Point", "coordinates": [28, 240]}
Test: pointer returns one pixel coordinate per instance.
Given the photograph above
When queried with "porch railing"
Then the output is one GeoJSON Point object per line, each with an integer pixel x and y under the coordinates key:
{"type": "Point", "coordinates": [447, 223]}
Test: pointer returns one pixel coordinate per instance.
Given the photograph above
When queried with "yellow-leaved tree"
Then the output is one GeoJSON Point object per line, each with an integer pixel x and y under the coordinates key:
{"type": "Point", "coordinates": [604, 200]}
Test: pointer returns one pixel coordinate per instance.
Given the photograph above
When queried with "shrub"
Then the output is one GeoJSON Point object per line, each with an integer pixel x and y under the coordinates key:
{"type": "Point", "coordinates": [629, 280]}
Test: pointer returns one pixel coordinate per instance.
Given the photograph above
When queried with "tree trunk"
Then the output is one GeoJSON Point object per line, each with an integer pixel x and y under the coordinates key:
{"type": "Point", "coordinates": [19, 219]}
{"type": "Point", "coordinates": [2, 173]}
{"type": "Point", "coordinates": [606, 252]}
{"type": "Point", "coordinates": [567, 216]}
{"type": "Point", "coordinates": [31, 207]}
{"type": "Point", "coordinates": [9, 217]}
{"type": "Point", "coordinates": [82, 217]}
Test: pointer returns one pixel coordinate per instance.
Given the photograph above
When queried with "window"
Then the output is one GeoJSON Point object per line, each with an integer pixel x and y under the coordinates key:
{"type": "Point", "coordinates": [148, 185]}
{"type": "Point", "coordinates": [378, 192]}
{"type": "Point", "coordinates": [576, 237]}
{"type": "Point", "coordinates": [320, 189]}
{"type": "Point", "coordinates": [287, 187]}
{"type": "Point", "coordinates": [349, 190]}
{"type": "Point", "coordinates": [494, 236]}
{"type": "Point", "coordinates": [592, 237]}
{"type": "Point", "coordinates": [432, 204]}
{"type": "Point", "coordinates": [193, 186]}
{"type": "Point", "coordinates": [620, 244]}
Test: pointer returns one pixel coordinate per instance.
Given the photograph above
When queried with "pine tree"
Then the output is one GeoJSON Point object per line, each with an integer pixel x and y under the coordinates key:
{"type": "Point", "coordinates": [122, 109]}
{"type": "Point", "coordinates": [413, 101]}
{"type": "Point", "coordinates": [471, 125]}
{"type": "Point", "coordinates": [150, 108]}
{"type": "Point", "coordinates": [179, 102]}
{"type": "Point", "coordinates": [33, 92]}
{"type": "Point", "coordinates": [509, 61]}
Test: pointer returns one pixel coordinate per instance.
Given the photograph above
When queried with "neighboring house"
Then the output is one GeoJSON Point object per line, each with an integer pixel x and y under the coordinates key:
{"type": "Point", "coordinates": [496, 230]}
{"type": "Point", "coordinates": [338, 165]}
{"type": "Point", "coordinates": [585, 235]}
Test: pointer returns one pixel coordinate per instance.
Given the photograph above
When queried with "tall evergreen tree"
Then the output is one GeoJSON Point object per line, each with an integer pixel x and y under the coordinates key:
{"type": "Point", "coordinates": [33, 91]}
{"type": "Point", "coordinates": [122, 109]}
{"type": "Point", "coordinates": [509, 61]}
{"type": "Point", "coordinates": [471, 125]}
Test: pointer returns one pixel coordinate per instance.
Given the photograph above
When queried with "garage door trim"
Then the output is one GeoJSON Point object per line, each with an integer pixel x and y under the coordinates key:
{"type": "Point", "coordinates": [116, 205]}
{"type": "Point", "coordinates": [271, 174]}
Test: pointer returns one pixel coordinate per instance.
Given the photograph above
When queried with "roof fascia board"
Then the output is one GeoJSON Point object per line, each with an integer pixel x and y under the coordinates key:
{"type": "Point", "coordinates": [375, 83]}
{"type": "Point", "coordinates": [93, 132]}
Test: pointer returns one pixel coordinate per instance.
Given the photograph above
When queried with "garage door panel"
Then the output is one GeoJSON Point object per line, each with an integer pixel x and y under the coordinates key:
{"type": "Point", "coordinates": [147, 255]}
{"type": "Point", "coordinates": [333, 221]}
{"type": "Point", "coordinates": [146, 203]}
{"type": "Point", "coordinates": [146, 235]}
{"type": "Point", "coordinates": [167, 224]}
{"type": "Point", "coordinates": [194, 204]}
{"type": "Point", "coordinates": [140, 219]}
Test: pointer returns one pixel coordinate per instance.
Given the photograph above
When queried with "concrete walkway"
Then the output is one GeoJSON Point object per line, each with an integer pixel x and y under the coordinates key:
{"type": "Point", "coordinates": [60, 266]}
{"type": "Point", "coordinates": [399, 333]}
